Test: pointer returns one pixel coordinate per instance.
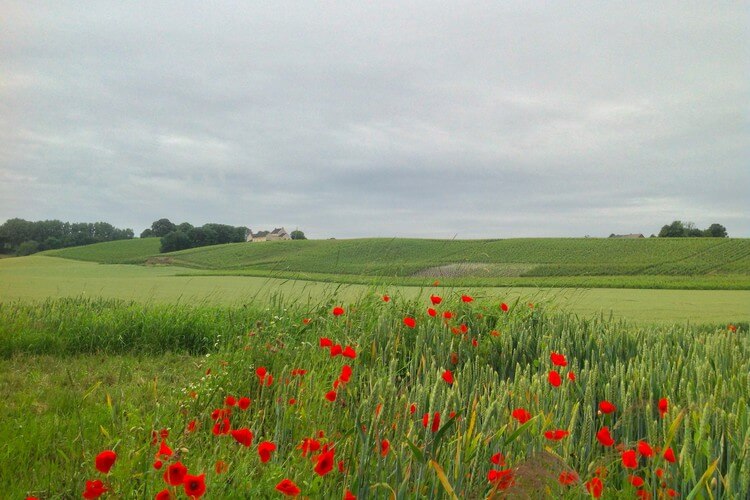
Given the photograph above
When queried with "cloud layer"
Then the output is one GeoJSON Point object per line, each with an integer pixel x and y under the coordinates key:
{"type": "Point", "coordinates": [378, 119]}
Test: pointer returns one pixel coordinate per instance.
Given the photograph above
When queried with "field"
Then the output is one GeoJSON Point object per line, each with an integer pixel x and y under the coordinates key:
{"type": "Point", "coordinates": [100, 354]}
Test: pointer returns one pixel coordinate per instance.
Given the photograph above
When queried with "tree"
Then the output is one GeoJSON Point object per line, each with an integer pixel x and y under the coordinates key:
{"type": "Point", "coordinates": [716, 231]}
{"type": "Point", "coordinates": [162, 227]}
{"type": "Point", "coordinates": [27, 248]}
{"type": "Point", "coordinates": [674, 230]}
{"type": "Point", "coordinates": [298, 235]}
{"type": "Point", "coordinates": [148, 233]}
{"type": "Point", "coordinates": [176, 240]}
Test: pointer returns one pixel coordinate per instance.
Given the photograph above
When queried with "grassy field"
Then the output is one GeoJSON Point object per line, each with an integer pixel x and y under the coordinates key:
{"type": "Point", "coordinates": [39, 277]}
{"type": "Point", "coordinates": [62, 408]}
{"type": "Point", "coordinates": [680, 263]}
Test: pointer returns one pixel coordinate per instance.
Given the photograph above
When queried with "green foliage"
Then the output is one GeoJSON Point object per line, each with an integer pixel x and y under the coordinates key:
{"type": "Point", "coordinates": [27, 248]}
{"type": "Point", "coordinates": [51, 234]}
{"type": "Point", "coordinates": [679, 229]}
{"type": "Point", "coordinates": [162, 227]}
{"type": "Point", "coordinates": [176, 240]}
{"type": "Point", "coordinates": [297, 235]}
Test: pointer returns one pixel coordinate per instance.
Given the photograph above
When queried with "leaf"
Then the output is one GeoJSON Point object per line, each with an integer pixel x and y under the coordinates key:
{"type": "Point", "coordinates": [519, 431]}
{"type": "Point", "coordinates": [104, 431]}
{"type": "Point", "coordinates": [439, 434]}
{"type": "Point", "coordinates": [418, 454]}
{"type": "Point", "coordinates": [703, 480]}
{"type": "Point", "coordinates": [443, 479]}
{"type": "Point", "coordinates": [386, 486]}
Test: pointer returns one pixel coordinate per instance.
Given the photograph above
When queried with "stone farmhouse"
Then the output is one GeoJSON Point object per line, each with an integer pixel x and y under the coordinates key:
{"type": "Point", "coordinates": [631, 235]}
{"type": "Point", "coordinates": [278, 233]}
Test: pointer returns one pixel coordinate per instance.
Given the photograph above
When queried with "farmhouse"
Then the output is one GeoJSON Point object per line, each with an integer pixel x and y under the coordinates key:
{"type": "Point", "coordinates": [278, 233]}
{"type": "Point", "coordinates": [632, 235]}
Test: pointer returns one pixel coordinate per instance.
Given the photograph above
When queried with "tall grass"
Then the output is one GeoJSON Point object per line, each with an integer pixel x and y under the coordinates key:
{"type": "Point", "coordinates": [703, 371]}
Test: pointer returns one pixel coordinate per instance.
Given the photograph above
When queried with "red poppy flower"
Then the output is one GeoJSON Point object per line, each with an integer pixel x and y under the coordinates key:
{"type": "Point", "coordinates": [556, 435]}
{"type": "Point", "coordinates": [447, 315]}
{"type": "Point", "coordinates": [731, 328]}
{"type": "Point", "coordinates": [412, 408]}
{"type": "Point", "coordinates": [105, 460]}
{"type": "Point", "coordinates": [346, 373]}
{"type": "Point", "coordinates": [501, 479]}
{"type": "Point", "coordinates": [463, 328]}
{"type": "Point", "coordinates": [663, 406]}
{"type": "Point", "coordinates": [309, 445]}
{"type": "Point", "coordinates": [349, 352]}
{"type": "Point", "coordinates": [432, 312]}
{"type": "Point", "coordinates": [164, 494]}
{"type": "Point", "coordinates": [467, 298]}
{"type": "Point", "coordinates": [325, 342]}
{"type": "Point", "coordinates": [607, 407]}
{"type": "Point", "coordinates": [338, 311]}
{"type": "Point", "coordinates": [158, 464]}
{"type": "Point", "coordinates": [435, 299]}
{"type": "Point", "coordinates": [604, 437]}
{"type": "Point", "coordinates": [244, 403]}
{"type": "Point", "coordinates": [568, 478]}
{"type": "Point", "coordinates": [671, 493]}
{"type": "Point", "coordinates": [175, 474]}
{"type": "Point", "coordinates": [264, 450]}
{"type": "Point", "coordinates": [243, 436]}
{"type": "Point", "coordinates": [221, 427]}
{"type": "Point", "coordinates": [571, 376]}
{"type": "Point", "coordinates": [410, 322]}
{"type": "Point", "coordinates": [331, 396]}
{"type": "Point", "coordinates": [324, 462]}
{"type": "Point", "coordinates": [504, 307]}
{"type": "Point", "coordinates": [521, 415]}
{"type": "Point", "coordinates": [298, 372]}
{"type": "Point", "coordinates": [595, 487]}
{"type": "Point", "coordinates": [348, 495]}
{"type": "Point", "coordinates": [288, 488]}
{"type": "Point", "coordinates": [629, 460]}
{"type": "Point", "coordinates": [386, 298]}
{"type": "Point", "coordinates": [558, 359]}
{"type": "Point", "coordinates": [192, 426]}
{"type": "Point", "coordinates": [94, 489]}
{"type": "Point", "coordinates": [230, 401]}
{"type": "Point", "coordinates": [448, 377]}
{"type": "Point", "coordinates": [659, 472]}
{"type": "Point", "coordinates": [195, 486]}
{"type": "Point", "coordinates": [643, 495]}
{"type": "Point", "coordinates": [306, 321]}
{"type": "Point", "coordinates": [425, 419]}
{"type": "Point", "coordinates": [435, 422]}
{"type": "Point", "coordinates": [261, 372]}
{"type": "Point", "coordinates": [554, 378]}
{"type": "Point", "coordinates": [669, 456]}
{"type": "Point", "coordinates": [336, 350]}
{"type": "Point", "coordinates": [636, 481]}
{"type": "Point", "coordinates": [645, 449]}
{"type": "Point", "coordinates": [498, 459]}
{"type": "Point", "coordinates": [221, 467]}
{"type": "Point", "coordinates": [385, 447]}
{"type": "Point", "coordinates": [474, 342]}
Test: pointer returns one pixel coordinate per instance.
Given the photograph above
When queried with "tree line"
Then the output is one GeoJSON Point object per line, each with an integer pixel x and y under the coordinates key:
{"type": "Point", "coordinates": [23, 237]}
{"type": "Point", "coordinates": [182, 236]}
{"type": "Point", "coordinates": [679, 229]}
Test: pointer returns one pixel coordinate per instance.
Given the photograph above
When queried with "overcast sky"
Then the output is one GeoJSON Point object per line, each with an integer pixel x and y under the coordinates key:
{"type": "Point", "coordinates": [349, 119]}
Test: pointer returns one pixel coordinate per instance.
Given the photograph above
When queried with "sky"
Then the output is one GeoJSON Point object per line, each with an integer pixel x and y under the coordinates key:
{"type": "Point", "coordinates": [390, 119]}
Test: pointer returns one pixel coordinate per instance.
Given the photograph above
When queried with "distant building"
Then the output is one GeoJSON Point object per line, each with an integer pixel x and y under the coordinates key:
{"type": "Point", "coordinates": [632, 235]}
{"type": "Point", "coordinates": [277, 234]}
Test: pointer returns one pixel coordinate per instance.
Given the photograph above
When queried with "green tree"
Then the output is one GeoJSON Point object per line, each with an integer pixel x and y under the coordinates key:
{"type": "Point", "coordinates": [674, 230]}
{"type": "Point", "coordinates": [176, 240]}
{"type": "Point", "coordinates": [162, 227]}
{"type": "Point", "coordinates": [148, 233]}
{"type": "Point", "coordinates": [297, 235]}
{"type": "Point", "coordinates": [716, 231]}
{"type": "Point", "coordinates": [27, 248]}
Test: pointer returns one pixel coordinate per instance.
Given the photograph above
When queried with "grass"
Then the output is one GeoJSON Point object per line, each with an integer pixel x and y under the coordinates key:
{"type": "Point", "coordinates": [39, 277]}
{"type": "Point", "coordinates": [62, 408]}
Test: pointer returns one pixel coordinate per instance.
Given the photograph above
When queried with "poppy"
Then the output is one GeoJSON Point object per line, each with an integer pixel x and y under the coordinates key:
{"type": "Point", "coordinates": [324, 462]}
{"type": "Point", "coordinates": [607, 407]}
{"type": "Point", "coordinates": [175, 474]}
{"type": "Point", "coordinates": [504, 307]}
{"type": "Point", "coordinates": [425, 419]}
{"type": "Point", "coordinates": [331, 396]}
{"type": "Point", "coordinates": [432, 312]}
{"type": "Point", "coordinates": [447, 315]}
{"type": "Point", "coordinates": [192, 425]}
{"type": "Point", "coordinates": [636, 481]}
{"type": "Point", "coordinates": [659, 472]}
{"type": "Point", "coordinates": [501, 479]}
{"type": "Point", "coordinates": [663, 406]}
{"type": "Point", "coordinates": [556, 435]}
{"type": "Point", "coordinates": [498, 459]}
{"type": "Point", "coordinates": [448, 377]}
{"type": "Point", "coordinates": [349, 352]}
{"type": "Point", "coordinates": [558, 359]}
{"type": "Point", "coordinates": [264, 451]}
{"type": "Point", "coordinates": [309, 445]}
{"type": "Point", "coordinates": [243, 403]}
{"type": "Point", "coordinates": [158, 464]}
{"type": "Point", "coordinates": [629, 460]}
{"type": "Point", "coordinates": [243, 436]}
{"type": "Point", "coordinates": [386, 298]}
{"type": "Point", "coordinates": [292, 401]}
{"type": "Point", "coordinates": [385, 447]}
{"type": "Point", "coordinates": [435, 299]}
{"type": "Point", "coordinates": [336, 350]}
{"type": "Point", "coordinates": [221, 467]}
{"type": "Point", "coordinates": [261, 372]}
{"type": "Point", "coordinates": [571, 376]}
{"type": "Point", "coordinates": [298, 372]}
{"type": "Point", "coordinates": [195, 486]}
{"type": "Point", "coordinates": [567, 478]}
{"type": "Point", "coordinates": [467, 298]}
{"type": "Point", "coordinates": [595, 487]}
{"type": "Point", "coordinates": [454, 358]}
{"type": "Point", "coordinates": [412, 408]}
{"type": "Point", "coordinates": [306, 321]}
{"type": "Point", "coordinates": [348, 495]}
{"type": "Point", "coordinates": [338, 311]}
{"type": "Point", "coordinates": [288, 488]}
{"type": "Point", "coordinates": [669, 456]}
{"type": "Point", "coordinates": [604, 437]}
{"type": "Point", "coordinates": [474, 342]}
{"type": "Point", "coordinates": [325, 342]}
{"type": "Point", "coordinates": [230, 401]}
{"type": "Point", "coordinates": [521, 415]}
{"type": "Point", "coordinates": [731, 328]}
{"type": "Point", "coordinates": [645, 449]}
{"type": "Point", "coordinates": [643, 495]}
{"type": "Point", "coordinates": [410, 322]}
{"type": "Point", "coordinates": [554, 378]}
{"type": "Point", "coordinates": [378, 409]}
{"type": "Point", "coordinates": [435, 422]}
{"type": "Point", "coordinates": [346, 373]}
{"type": "Point", "coordinates": [671, 493]}
{"type": "Point", "coordinates": [464, 328]}
{"type": "Point", "coordinates": [164, 494]}
{"type": "Point", "coordinates": [221, 427]}
{"type": "Point", "coordinates": [105, 460]}
{"type": "Point", "coordinates": [94, 489]}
